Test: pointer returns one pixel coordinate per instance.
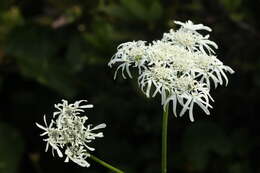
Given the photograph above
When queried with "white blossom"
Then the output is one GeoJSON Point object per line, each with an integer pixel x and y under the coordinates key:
{"type": "Point", "coordinates": [193, 41]}
{"type": "Point", "coordinates": [129, 54]}
{"type": "Point", "coordinates": [193, 27]}
{"type": "Point", "coordinates": [211, 68]}
{"type": "Point", "coordinates": [77, 154]}
{"type": "Point", "coordinates": [67, 133]}
{"type": "Point", "coordinates": [53, 137]}
{"type": "Point", "coordinates": [159, 77]}
{"type": "Point", "coordinates": [187, 92]}
{"type": "Point", "coordinates": [180, 67]}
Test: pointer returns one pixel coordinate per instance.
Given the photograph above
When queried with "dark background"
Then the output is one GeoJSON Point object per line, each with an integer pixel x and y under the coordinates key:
{"type": "Point", "coordinates": [59, 49]}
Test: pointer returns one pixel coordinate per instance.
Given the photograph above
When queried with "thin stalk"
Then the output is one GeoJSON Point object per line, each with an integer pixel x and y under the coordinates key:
{"type": "Point", "coordinates": [164, 139]}
{"type": "Point", "coordinates": [112, 168]}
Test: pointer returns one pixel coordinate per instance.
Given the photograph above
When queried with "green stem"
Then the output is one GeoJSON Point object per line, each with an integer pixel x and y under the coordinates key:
{"type": "Point", "coordinates": [112, 168]}
{"type": "Point", "coordinates": [164, 139]}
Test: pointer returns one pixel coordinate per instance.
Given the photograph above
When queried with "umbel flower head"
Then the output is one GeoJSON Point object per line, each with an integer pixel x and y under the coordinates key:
{"type": "Point", "coordinates": [67, 134]}
{"type": "Point", "coordinates": [180, 67]}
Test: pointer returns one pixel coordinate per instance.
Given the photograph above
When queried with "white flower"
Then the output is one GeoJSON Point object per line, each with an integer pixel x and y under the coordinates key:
{"type": "Point", "coordinates": [70, 109]}
{"type": "Point", "coordinates": [78, 155]}
{"type": "Point", "coordinates": [183, 38]}
{"type": "Point", "coordinates": [182, 60]}
{"type": "Point", "coordinates": [210, 68]}
{"type": "Point", "coordinates": [67, 133]}
{"type": "Point", "coordinates": [166, 54]}
{"type": "Point", "coordinates": [180, 67]}
{"type": "Point", "coordinates": [160, 52]}
{"type": "Point", "coordinates": [129, 54]}
{"type": "Point", "coordinates": [159, 77]}
{"type": "Point", "coordinates": [183, 84]}
{"type": "Point", "coordinates": [195, 93]}
{"type": "Point", "coordinates": [188, 37]}
{"type": "Point", "coordinates": [90, 135]}
{"type": "Point", "coordinates": [199, 95]}
{"type": "Point", "coordinates": [193, 41]}
{"type": "Point", "coordinates": [193, 27]}
{"type": "Point", "coordinates": [53, 137]}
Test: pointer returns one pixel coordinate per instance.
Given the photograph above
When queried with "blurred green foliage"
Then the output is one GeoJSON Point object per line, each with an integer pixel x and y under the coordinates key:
{"type": "Point", "coordinates": [11, 148]}
{"type": "Point", "coordinates": [52, 49]}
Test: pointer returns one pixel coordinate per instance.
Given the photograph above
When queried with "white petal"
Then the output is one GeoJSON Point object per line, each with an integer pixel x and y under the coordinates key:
{"type": "Point", "coordinates": [99, 135]}
{"type": "Point", "coordinates": [174, 105]}
{"type": "Point", "coordinates": [41, 127]}
{"type": "Point", "coordinates": [67, 159]}
{"type": "Point", "coordinates": [191, 111]}
{"type": "Point", "coordinates": [44, 119]}
{"type": "Point", "coordinates": [86, 106]}
{"type": "Point", "coordinates": [219, 76]}
{"type": "Point", "coordinates": [47, 146]}
{"type": "Point", "coordinates": [90, 148]}
{"type": "Point", "coordinates": [202, 107]}
{"type": "Point", "coordinates": [59, 152]}
{"type": "Point", "coordinates": [128, 71]}
{"type": "Point", "coordinates": [186, 106]}
{"type": "Point", "coordinates": [149, 84]}
{"type": "Point", "coordinates": [100, 126]}
{"type": "Point", "coordinates": [55, 113]}
{"type": "Point", "coordinates": [224, 75]}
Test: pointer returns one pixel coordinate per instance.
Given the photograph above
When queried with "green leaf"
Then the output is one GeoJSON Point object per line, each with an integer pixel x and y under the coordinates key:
{"type": "Point", "coordinates": [102, 36]}
{"type": "Point", "coordinates": [135, 8]}
{"type": "Point", "coordinates": [76, 53]}
{"type": "Point", "coordinates": [35, 50]}
{"type": "Point", "coordinates": [116, 11]}
{"type": "Point", "coordinates": [231, 5]}
{"type": "Point", "coordinates": [11, 148]}
{"type": "Point", "coordinates": [32, 42]}
{"type": "Point", "coordinates": [155, 11]}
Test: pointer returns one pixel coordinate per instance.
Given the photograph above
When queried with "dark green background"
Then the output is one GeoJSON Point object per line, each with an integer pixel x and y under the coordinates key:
{"type": "Point", "coordinates": [59, 49]}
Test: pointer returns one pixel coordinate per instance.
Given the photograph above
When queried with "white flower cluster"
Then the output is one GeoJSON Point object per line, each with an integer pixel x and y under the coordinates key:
{"type": "Point", "coordinates": [179, 67]}
{"type": "Point", "coordinates": [66, 133]}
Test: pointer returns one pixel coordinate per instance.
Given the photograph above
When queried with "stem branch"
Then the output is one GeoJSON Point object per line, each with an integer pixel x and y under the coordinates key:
{"type": "Point", "coordinates": [164, 139]}
{"type": "Point", "coordinates": [112, 168]}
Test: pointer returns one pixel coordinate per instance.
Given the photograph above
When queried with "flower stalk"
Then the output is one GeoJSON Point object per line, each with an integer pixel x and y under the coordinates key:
{"type": "Point", "coordinates": [164, 138]}
{"type": "Point", "coordinates": [180, 67]}
{"type": "Point", "coordinates": [112, 168]}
